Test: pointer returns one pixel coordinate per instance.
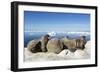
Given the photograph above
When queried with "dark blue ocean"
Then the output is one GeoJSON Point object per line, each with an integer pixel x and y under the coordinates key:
{"type": "Point", "coordinates": [28, 36]}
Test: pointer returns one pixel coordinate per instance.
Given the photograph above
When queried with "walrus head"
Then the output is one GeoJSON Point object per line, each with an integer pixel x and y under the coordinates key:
{"type": "Point", "coordinates": [80, 43]}
{"type": "Point", "coordinates": [44, 41]}
{"type": "Point", "coordinates": [36, 48]}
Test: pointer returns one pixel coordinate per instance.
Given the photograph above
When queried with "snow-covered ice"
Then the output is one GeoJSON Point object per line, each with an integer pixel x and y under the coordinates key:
{"type": "Point", "coordinates": [63, 55]}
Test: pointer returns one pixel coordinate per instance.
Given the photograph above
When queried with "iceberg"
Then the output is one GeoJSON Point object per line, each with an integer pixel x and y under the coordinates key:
{"type": "Point", "coordinates": [52, 33]}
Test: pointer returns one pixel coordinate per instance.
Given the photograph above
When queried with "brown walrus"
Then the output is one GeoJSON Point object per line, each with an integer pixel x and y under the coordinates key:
{"type": "Point", "coordinates": [44, 41]}
{"type": "Point", "coordinates": [34, 46]}
{"type": "Point", "coordinates": [38, 45]}
{"type": "Point", "coordinates": [54, 45]}
{"type": "Point", "coordinates": [73, 44]}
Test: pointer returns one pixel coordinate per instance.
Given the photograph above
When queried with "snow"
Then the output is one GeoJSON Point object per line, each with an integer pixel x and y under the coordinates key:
{"type": "Point", "coordinates": [64, 55]}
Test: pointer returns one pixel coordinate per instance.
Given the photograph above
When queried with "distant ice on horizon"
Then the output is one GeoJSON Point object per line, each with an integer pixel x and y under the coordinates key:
{"type": "Point", "coordinates": [54, 33]}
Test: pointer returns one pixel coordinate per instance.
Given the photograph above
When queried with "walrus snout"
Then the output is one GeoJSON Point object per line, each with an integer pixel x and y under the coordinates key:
{"type": "Point", "coordinates": [82, 47]}
{"type": "Point", "coordinates": [33, 50]}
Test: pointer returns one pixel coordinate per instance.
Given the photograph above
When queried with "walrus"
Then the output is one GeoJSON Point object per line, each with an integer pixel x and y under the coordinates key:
{"type": "Point", "coordinates": [38, 45]}
{"type": "Point", "coordinates": [44, 41]}
{"type": "Point", "coordinates": [74, 44]}
{"type": "Point", "coordinates": [80, 43]}
{"type": "Point", "coordinates": [54, 45]}
{"type": "Point", "coordinates": [34, 46]}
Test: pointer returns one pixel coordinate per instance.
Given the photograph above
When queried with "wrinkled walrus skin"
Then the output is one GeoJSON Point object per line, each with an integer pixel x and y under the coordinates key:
{"type": "Point", "coordinates": [38, 45]}
{"type": "Point", "coordinates": [34, 46]}
{"type": "Point", "coordinates": [73, 44]}
{"type": "Point", "coordinates": [54, 45]}
{"type": "Point", "coordinates": [44, 40]}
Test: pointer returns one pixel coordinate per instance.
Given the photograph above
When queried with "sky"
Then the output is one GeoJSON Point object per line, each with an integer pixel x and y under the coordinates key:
{"type": "Point", "coordinates": [53, 21]}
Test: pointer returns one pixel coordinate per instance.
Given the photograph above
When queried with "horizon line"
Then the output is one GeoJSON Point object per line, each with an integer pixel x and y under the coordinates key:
{"type": "Point", "coordinates": [56, 31]}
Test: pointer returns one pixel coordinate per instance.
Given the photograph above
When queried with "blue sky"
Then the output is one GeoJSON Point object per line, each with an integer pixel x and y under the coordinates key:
{"type": "Point", "coordinates": [58, 22]}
